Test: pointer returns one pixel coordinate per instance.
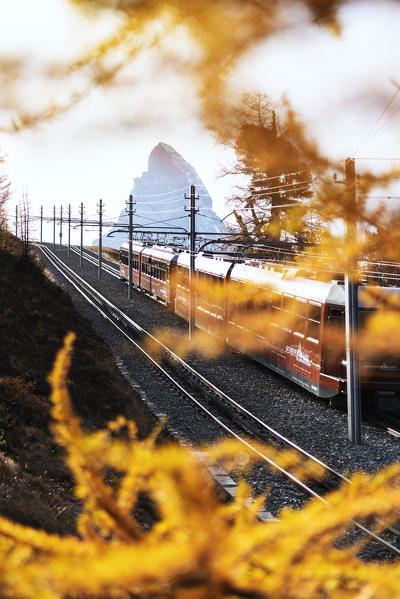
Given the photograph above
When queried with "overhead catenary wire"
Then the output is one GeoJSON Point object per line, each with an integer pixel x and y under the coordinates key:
{"type": "Point", "coordinates": [262, 179]}
{"type": "Point", "coordinates": [170, 200]}
{"type": "Point", "coordinates": [292, 204]}
{"type": "Point", "coordinates": [139, 212]}
{"type": "Point", "coordinates": [372, 130]}
{"type": "Point", "coordinates": [172, 191]}
{"type": "Point", "coordinates": [267, 195]}
{"type": "Point", "coordinates": [283, 186]}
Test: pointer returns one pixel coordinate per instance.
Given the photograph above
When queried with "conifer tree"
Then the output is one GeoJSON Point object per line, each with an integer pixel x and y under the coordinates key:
{"type": "Point", "coordinates": [272, 204]}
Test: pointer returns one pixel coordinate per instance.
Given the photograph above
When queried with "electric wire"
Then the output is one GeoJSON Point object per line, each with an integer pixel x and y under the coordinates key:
{"type": "Point", "coordinates": [170, 200]}
{"type": "Point", "coordinates": [371, 131]}
{"type": "Point", "coordinates": [262, 179]}
{"type": "Point", "coordinates": [277, 187]}
{"type": "Point", "coordinates": [138, 213]}
{"type": "Point", "coordinates": [172, 191]}
{"type": "Point", "coordinates": [281, 193]}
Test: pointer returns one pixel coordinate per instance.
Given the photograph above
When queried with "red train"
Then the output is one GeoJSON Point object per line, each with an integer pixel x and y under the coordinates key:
{"type": "Point", "coordinates": [293, 325]}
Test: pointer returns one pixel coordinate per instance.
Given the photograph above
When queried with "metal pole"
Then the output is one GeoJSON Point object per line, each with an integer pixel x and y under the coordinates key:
{"type": "Point", "coordinates": [69, 230]}
{"type": "Point", "coordinates": [130, 214]}
{"type": "Point", "coordinates": [41, 224]}
{"type": "Point", "coordinates": [351, 315]}
{"type": "Point", "coordinates": [192, 271]}
{"type": "Point", "coordinates": [16, 220]}
{"type": "Point", "coordinates": [61, 225]}
{"type": "Point", "coordinates": [100, 234]}
{"type": "Point", "coordinates": [81, 252]}
{"type": "Point", "coordinates": [54, 227]}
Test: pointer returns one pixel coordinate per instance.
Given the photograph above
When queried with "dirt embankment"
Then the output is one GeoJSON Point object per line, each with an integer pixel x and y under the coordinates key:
{"type": "Point", "coordinates": [35, 486]}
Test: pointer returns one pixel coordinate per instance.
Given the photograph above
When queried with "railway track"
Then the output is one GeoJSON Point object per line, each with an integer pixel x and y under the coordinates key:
{"type": "Point", "coordinates": [382, 420]}
{"type": "Point", "coordinates": [91, 257]}
{"type": "Point", "coordinates": [231, 416]}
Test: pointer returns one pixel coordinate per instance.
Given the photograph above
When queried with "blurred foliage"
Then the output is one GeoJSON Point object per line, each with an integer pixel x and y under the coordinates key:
{"type": "Point", "coordinates": [275, 176]}
{"type": "Point", "coordinates": [196, 546]}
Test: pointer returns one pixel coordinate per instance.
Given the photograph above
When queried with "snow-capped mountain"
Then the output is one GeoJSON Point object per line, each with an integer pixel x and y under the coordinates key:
{"type": "Point", "coordinates": [159, 196]}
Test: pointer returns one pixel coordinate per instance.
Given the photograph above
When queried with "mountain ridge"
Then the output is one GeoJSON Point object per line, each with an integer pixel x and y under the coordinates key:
{"type": "Point", "coordinates": [159, 197]}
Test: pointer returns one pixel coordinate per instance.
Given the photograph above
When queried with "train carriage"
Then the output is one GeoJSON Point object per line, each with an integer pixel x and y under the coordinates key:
{"type": "Point", "coordinates": [291, 324]}
{"type": "Point", "coordinates": [153, 269]}
{"type": "Point", "coordinates": [137, 249]}
{"type": "Point", "coordinates": [211, 279]}
{"type": "Point", "coordinates": [304, 331]}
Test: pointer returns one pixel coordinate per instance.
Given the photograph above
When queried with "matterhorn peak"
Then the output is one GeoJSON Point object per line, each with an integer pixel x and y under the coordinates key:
{"type": "Point", "coordinates": [159, 195]}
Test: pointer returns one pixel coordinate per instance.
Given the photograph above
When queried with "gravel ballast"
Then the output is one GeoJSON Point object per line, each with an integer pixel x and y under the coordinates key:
{"type": "Point", "coordinates": [304, 419]}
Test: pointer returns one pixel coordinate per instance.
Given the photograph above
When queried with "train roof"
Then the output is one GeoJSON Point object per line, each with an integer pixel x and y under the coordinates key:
{"type": "Point", "coordinates": [218, 268]}
{"type": "Point", "coordinates": [135, 245]}
{"type": "Point", "coordinates": [155, 251]}
{"type": "Point", "coordinates": [331, 292]}
{"type": "Point", "coordinates": [159, 252]}
{"type": "Point", "coordinates": [285, 281]}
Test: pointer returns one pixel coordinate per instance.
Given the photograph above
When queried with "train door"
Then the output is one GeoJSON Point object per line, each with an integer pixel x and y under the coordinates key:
{"type": "Point", "coordinates": [334, 351]}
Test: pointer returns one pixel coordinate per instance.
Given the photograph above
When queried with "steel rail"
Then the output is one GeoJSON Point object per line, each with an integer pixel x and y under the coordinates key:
{"type": "Point", "coordinates": [80, 283]}
{"type": "Point", "coordinates": [53, 259]}
{"type": "Point", "coordinates": [92, 258]}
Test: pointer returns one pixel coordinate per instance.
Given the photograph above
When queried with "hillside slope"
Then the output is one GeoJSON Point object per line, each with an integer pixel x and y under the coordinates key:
{"type": "Point", "coordinates": [35, 315]}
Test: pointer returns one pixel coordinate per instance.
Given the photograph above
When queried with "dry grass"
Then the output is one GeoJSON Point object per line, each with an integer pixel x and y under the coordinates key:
{"type": "Point", "coordinates": [109, 253]}
{"type": "Point", "coordinates": [35, 315]}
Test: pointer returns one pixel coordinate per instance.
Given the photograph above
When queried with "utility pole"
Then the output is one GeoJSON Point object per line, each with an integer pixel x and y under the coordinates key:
{"type": "Point", "coordinates": [54, 227]}
{"type": "Point", "coordinates": [69, 230]}
{"type": "Point", "coordinates": [276, 198]}
{"type": "Point", "coordinates": [351, 312]}
{"type": "Point", "coordinates": [16, 220]}
{"type": "Point", "coordinates": [100, 234]}
{"type": "Point", "coordinates": [41, 224]}
{"type": "Point", "coordinates": [192, 271]}
{"type": "Point", "coordinates": [61, 225]}
{"type": "Point", "coordinates": [131, 212]}
{"type": "Point", "coordinates": [81, 252]}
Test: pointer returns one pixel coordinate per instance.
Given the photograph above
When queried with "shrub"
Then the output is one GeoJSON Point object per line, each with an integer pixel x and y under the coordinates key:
{"type": "Point", "coordinates": [196, 546]}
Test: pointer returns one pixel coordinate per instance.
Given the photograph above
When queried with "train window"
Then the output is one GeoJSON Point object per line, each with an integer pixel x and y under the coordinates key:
{"type": "Point", "coordinates": [216, 298]}
{"type": "Point", "coordinates": [300, 307]}
{"type": "Point", "coordinates": [261, 299]}
{"type": "Point", "coordinates": [242, 295]}
{"type": "Point", "coordinates": [288, 303]}
{"type": "Point", "coordinates": [183, 276]}
{"type": "Point", "coordinates": [233, 298]}
{"type": "Point", "coordinates": [276, 300]}
{"type": "Point", "coordinates": [314, 320]}
{"type": "Point", "coordinates": [314, 311]}
{"type": "Point", "coordinates": [250, 305]}
{"type": "Point", "coordinates": [299, 322]}
{"type": "Point", "coordinates": [313, 329]}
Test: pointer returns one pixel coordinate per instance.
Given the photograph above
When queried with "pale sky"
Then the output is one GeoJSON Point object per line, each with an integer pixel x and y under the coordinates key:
{"type": "Point", "coordinates": [339, 86]}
